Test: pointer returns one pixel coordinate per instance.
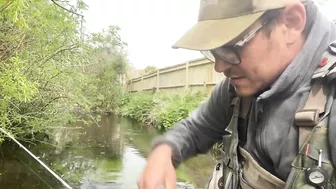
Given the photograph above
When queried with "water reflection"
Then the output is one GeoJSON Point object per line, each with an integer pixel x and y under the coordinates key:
{"type": "Point", "coordinates": [111, 155]}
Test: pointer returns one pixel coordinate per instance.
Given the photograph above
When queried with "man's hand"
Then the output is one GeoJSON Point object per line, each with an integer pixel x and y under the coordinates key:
{"type": "Point", "coordinates": [159, 172]}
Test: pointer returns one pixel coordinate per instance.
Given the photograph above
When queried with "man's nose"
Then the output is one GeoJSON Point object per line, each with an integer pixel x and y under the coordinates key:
{"type": "Point", "coordinates": [222, 66]}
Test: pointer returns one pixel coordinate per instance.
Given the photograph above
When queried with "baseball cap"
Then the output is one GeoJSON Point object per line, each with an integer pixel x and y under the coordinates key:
{"type": "Point", "coordinates": [220, 21]}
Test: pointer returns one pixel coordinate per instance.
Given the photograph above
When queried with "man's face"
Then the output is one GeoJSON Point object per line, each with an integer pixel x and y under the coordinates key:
{"type": "Point", "coordinates": [264, 57]}
{"type": "Point", "coordinates": [261, 63]}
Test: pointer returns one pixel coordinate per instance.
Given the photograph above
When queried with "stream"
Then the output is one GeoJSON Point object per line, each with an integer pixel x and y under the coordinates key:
{"type": "Point", "coordinates": [108, 156]}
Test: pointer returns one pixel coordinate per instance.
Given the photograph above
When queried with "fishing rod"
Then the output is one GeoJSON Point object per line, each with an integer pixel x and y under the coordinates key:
{"type": "Point", "coordinates": [37, 159]}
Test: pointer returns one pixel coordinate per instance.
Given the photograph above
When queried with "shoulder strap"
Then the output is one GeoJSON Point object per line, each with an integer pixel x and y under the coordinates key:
{"type": "Point", "coordinates": [332, 133]}
{"type": "Point", "coordinates": [313, 110]}
{"type": "Point", "coordinates": [320, 101]}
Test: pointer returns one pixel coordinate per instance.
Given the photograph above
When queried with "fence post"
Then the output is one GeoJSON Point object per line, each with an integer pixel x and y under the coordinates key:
{"type": "Point", "coordinates": [187, 75]}
{"type": "Point", "coordinates": [130, 87]}
{"type": "Point", "coordinates": [142, 83]}
{"type": "Point", "coordinates": [158, 80]}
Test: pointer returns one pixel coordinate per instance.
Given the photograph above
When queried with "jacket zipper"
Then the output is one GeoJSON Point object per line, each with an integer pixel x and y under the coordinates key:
{"type": "Point", "coordinates": [260, 136]}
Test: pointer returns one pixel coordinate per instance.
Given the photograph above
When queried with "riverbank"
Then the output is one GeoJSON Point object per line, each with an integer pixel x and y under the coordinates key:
{"type": "Point", "coordinates": [159, 110]}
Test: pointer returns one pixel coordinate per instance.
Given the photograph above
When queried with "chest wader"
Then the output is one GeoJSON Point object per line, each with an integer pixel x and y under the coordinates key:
{"type": "Point", "coordinates": [311, 168]}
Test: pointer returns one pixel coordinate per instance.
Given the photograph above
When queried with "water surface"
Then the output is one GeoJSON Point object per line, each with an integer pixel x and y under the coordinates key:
{"type": "Point", "coordinates": [108, 156]}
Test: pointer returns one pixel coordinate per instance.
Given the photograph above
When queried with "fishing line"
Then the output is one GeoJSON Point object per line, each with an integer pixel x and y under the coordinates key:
{"type": "Point", "coordinates": [45, 182]}
{"type": "Point", "coordinates": [37, 159]}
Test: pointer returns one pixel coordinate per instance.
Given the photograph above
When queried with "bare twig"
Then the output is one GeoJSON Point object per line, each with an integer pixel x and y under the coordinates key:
{"type": "Point", "coordinates": [46, 83]}
{"type": "Point", "coordinates": [50, 57]}
{"type": "Point", "coordinates": [3, 55]}
{"type": "Point", "coordinates": [63, 1]}
{"type": "Point", "coordinates": [10, 53]}
{"type": "Point", "coordinates": [47, 57]}
{"type": "Point", "coordinates": [57, 52]}
{"type": "Point", "coordinates": [66, 8]}
{"type": "Point", "coordinates": [6, 5]}
{"type": "Point", "coordinates": [54, 99]}
{"type": "Point", "coordinates": [21, 41]}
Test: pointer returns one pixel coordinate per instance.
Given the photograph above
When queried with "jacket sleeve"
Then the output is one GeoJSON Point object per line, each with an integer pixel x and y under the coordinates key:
{"type": "Point", "coordinates": [201, 129]}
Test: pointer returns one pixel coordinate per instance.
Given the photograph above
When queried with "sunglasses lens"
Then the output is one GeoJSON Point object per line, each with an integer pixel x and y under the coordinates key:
{"type": "Point", "coordinates": [208, 55]}
{"type": "Point", "coordinates": [227, 54]}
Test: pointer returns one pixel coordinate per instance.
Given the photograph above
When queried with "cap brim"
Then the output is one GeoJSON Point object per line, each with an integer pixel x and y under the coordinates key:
{"type": "Point", "coordinates": [210, 34]}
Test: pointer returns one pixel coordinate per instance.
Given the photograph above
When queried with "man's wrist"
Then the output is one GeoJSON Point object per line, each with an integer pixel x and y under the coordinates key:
{"type": "Point", "coordinates": [171, 149]}
{"type": "Point", "coordinates": [163, 148]}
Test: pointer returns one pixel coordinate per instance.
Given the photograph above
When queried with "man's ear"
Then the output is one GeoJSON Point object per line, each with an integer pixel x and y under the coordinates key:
{"type": "Point", "coordinates": [293, 18]}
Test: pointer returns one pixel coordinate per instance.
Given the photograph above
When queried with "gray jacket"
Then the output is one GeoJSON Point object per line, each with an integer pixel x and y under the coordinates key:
{"type": "Point", "coordinates": [272, 138]}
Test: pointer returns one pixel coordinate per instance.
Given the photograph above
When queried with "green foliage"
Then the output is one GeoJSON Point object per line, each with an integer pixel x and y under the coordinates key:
{"type": "Point", "coordinates": [148, 70]}
{"type": "Point", "coordinates": [108, 66]}
{"type": "Point", "coordinates": [137, 106]}
{"type": "Point", "coordinates": [159, 110]}
{"type": "Point", "coordinates": [52, 70]}
{"type": "Point", "coordinates": [173, 108]}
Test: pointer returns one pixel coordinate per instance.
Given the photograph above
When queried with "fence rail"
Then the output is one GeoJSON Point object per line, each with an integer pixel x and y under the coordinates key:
{"type": "Point", "coordinates": [196, 75]}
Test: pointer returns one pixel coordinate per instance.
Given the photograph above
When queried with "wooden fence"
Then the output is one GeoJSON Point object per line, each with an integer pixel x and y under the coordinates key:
{"type": "Point", "coordinates": [194, 75]}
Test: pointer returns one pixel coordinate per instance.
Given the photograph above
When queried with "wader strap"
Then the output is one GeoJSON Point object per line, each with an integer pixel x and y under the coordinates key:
{"type": "Point", "coordinates": [310, 115]}
{"type": "Point", "coordinates": [245, 106]}
{"type": "Point", "coordinates": [255, 177]}
{"type": "Point", "coordinates": [231, 145]}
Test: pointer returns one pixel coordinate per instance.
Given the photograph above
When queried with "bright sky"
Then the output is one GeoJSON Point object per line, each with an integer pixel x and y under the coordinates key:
{"type": "Point", "coordinates": [150, 27]}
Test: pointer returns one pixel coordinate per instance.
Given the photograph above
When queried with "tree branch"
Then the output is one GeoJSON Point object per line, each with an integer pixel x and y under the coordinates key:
{"type": "Point", "coordinates": [57, 52]}
{"type": "Point", "coordinates": [66, 8]}
{"type": "Point", "coordinates": [46, 83]}
{"type": "Point", "coordinates": [50, 101]}
{"type": "Point", "coordinates": [6, 5]}
{"type": "Point", "coordinates": [45, 59]}
{"type": "Point", "coordinates": [10, 52]}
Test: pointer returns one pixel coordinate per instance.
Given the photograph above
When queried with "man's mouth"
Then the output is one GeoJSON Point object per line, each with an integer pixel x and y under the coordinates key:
{"type": "Point", "coordinates": [236, 77]}
{"type": "Point", "coordinates": [237, 80]}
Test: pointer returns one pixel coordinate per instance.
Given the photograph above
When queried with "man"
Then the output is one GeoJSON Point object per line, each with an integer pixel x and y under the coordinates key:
{"type": "Point", "coordinates": [268, 50]}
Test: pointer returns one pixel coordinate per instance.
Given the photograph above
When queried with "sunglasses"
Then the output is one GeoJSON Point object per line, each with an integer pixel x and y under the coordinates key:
{"type": "Point", "coordinates": [230, 54]}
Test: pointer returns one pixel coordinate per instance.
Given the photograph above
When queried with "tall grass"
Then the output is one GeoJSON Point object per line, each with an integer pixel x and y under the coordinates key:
{"type": "Point", "coordinates": [160, 110]}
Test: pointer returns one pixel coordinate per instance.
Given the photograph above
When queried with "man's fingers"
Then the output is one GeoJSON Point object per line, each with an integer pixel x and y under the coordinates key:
{"type": "Point", "coordinates": [140, 183]}
{"type": "Point", "coordinates": [157, 169]}
{"type": "Point", "coordinates": [148, 184]}
{"type": "Point", "coordinates": [170, 181]}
